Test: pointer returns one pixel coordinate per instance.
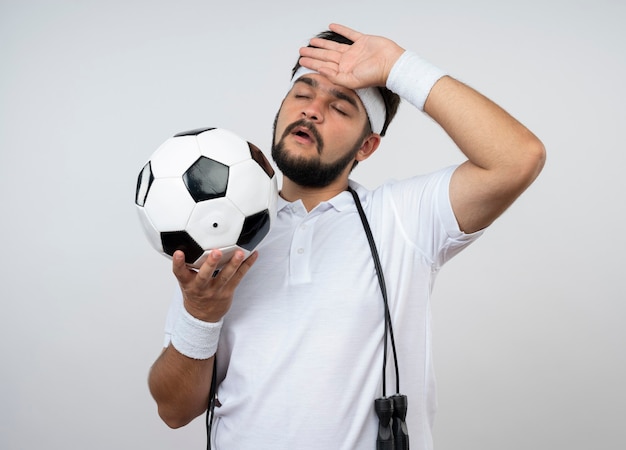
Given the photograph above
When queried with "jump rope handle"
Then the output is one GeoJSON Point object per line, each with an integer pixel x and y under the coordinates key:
{"type": "Point", "coordinates": [384, 410]}
{"type": "Point", "coordinates": [400, 430]}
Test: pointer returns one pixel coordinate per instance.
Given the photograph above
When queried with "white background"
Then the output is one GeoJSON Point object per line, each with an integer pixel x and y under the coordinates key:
{"type": "Point", "coordinates": [529, 321]}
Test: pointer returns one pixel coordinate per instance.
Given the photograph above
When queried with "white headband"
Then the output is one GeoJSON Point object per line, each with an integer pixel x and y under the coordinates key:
{"type": "Point", "coordinates": [370, 97]}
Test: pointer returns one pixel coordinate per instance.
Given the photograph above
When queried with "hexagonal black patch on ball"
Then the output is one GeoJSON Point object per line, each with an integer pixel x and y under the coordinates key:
{"type": "Point", "coordinates": [144, 181]}
{"type": "Point", "coordinates": [180, 240]}
{"type": "Point", "coordinates": [261, 160]}
{"type": "Point", "coordinates": [206, 179]}
{"type": "Point", "coordinates": [195, 132]}
{"type": "Point", "coordinates": [255, 228]}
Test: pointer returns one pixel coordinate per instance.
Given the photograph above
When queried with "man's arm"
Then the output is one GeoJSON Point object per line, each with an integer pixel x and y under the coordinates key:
{"type": "Point", "coordinates": [503, 156]}
{"type": "Point", "coordinates": [180, 384]}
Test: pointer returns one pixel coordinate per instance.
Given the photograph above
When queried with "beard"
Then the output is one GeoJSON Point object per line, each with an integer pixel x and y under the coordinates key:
{"type": "Point", "coordinates": [309, 172]}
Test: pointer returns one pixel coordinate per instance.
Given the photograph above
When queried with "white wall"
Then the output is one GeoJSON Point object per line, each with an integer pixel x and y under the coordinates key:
{"type": "Point", "coordinates": [528, 321]}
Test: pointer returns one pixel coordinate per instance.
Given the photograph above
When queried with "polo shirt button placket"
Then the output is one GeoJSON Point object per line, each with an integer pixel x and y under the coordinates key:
{"type": "Point", "coordinates": [300, 252]}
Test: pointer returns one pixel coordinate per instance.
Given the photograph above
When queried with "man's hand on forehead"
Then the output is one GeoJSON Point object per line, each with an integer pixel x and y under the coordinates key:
{"type": "Point", "coordinates": [365, 63]}
{"type": "Point", "coordinates": [370, 97]}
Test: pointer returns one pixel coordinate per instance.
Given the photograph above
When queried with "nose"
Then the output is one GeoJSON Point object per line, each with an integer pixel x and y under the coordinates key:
{"type": "Point", "coordinates": [313, 111]}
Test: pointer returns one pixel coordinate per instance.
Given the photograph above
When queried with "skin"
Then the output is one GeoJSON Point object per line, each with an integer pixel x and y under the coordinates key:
{"type": "Point", "coordinates": [338, 121]}
{"type": "Point", "coordinates": [180, 385]}
{"type": "Point", "coordinates": [503, 159]}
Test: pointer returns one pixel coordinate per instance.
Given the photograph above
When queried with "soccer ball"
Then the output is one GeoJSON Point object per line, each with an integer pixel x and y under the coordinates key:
{"type": "Point", "coordinates": [206, 189]}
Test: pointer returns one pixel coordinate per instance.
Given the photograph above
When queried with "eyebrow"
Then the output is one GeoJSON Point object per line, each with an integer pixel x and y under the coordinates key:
{"type": "Point", "coordinates": [334, 92]}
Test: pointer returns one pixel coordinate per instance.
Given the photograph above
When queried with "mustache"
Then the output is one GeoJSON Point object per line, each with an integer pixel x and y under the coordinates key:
{"type": "Point", "coordinates": [310, 127]}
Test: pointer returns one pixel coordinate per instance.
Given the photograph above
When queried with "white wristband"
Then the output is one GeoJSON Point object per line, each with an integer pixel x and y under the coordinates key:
{"type": "Point", "coordinates": [412, 78]}
{"type": "Point", "coordinates": [195, 338]}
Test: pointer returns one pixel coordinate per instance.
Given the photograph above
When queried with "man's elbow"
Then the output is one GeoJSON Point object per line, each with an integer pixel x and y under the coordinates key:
{"type": "Point", "coordinates": [174, 420]}
{"type": "Point", "coordinates": [537, 153]}
{"type": "Point", "coordinates": [530, 162]}
{"type": "Point", "coordinates": [537, 157]}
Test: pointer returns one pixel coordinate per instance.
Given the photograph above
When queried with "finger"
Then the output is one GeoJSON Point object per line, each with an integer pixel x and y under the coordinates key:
{"type": "Point", "coordinates": [245, 266]}
{"type": "Point", "coordinates": [328, 69]}
{"type": "Point", "coordinates": [209, 266]}
{"type": "Point", "coordinates": [324, 67]}
{"type": "Point", "coordinates": [180, 269]}
{"type": "Point", "coordinates": [230, 268]}
{"type": "Point", "coordinates": [242, 270]}
{"type": "Point", "coordinates": [345, 31]}
{"type": "Point", "coordinates": [320, 54]}
{"type": "Point", "coordinates": [328, 44]}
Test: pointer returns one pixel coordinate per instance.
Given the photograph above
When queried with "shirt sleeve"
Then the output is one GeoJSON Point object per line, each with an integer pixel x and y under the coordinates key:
{"type": "Point", "coordinates": [423, 209]}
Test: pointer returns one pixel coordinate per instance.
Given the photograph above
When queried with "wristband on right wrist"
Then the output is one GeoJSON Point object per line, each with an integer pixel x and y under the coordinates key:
{"type": "Point", "coordinates": [412, 78]}
{"type": "Point", "coordinates": [195, 338]}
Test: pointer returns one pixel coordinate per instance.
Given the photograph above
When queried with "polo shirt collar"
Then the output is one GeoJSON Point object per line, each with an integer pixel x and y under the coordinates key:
{"type": "Point", "coordinates": [340, 202]}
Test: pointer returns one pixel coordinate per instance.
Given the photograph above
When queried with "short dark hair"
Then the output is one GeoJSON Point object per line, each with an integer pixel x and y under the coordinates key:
{"type": "Point", "coordinates": [392, 101]}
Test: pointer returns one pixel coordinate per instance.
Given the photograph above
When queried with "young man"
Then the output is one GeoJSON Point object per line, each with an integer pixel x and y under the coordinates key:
{"type": "Point", "coordinates": [300, 323]}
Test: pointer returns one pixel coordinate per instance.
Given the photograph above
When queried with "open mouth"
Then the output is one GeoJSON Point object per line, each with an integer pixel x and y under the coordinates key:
{"type": "Point", "coordinates": [303, 134]}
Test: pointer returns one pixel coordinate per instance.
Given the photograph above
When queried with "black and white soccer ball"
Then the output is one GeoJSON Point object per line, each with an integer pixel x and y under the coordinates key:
{"type": "Point", "coordinates": [206, 189]}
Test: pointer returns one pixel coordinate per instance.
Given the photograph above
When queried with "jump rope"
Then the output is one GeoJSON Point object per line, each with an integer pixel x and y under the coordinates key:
{"type": "Point", "coordinates": [391, 411]}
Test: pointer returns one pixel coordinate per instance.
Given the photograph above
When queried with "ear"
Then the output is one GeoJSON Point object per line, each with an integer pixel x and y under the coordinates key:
{"type": "Point", "coordinates": [369, 146]}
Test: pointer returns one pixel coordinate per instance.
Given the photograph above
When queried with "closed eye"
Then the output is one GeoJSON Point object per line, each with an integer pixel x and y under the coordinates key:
{"type": "Point", "coordinates": [340, 111]}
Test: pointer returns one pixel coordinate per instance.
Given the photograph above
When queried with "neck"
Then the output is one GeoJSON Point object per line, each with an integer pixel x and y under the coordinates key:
{"type": "Point", "coordinates": [311, 197]}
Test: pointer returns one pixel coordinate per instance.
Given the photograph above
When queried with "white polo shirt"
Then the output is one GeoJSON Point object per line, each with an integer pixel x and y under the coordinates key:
{"type": "Point", "coordinates": [300, 354]}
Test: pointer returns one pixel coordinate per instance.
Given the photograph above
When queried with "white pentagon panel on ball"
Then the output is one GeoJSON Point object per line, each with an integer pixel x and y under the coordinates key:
{"type": "Point", "coordinates": [169, 204]}
{"type": "Point", "coordinates": [223, 146]}
{"type": "Point", "coordinates": [174, 156]}
{"type": "Point", "coordinates": [215, 223]}
{"type": "Point", "coordinates": [249, 187]}
{"type": "Point", "coordinates": [151, 233]}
